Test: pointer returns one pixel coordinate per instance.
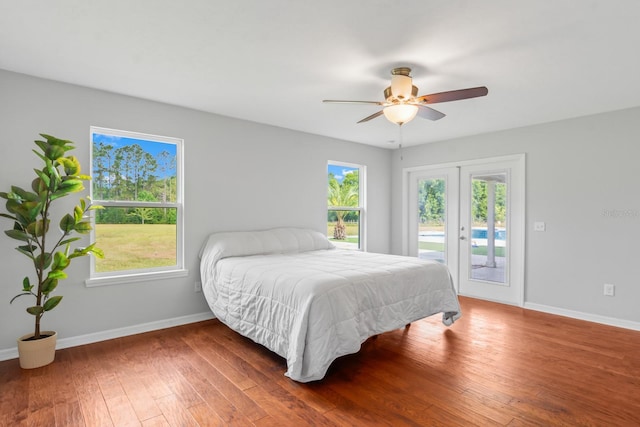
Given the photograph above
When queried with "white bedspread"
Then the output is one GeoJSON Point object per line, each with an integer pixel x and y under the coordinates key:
{"type": "Point", "coordinates": [312, 307]}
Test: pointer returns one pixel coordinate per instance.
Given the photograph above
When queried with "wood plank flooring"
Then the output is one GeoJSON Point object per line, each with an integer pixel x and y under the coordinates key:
{"type": "Point", "coordinates": [497, 366]}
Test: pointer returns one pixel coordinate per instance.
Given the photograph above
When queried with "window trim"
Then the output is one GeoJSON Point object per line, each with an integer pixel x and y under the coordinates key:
{"type": "Point", "coordinates": [361, 208]}
{"type": "Point", "coordinates": [154, 273]}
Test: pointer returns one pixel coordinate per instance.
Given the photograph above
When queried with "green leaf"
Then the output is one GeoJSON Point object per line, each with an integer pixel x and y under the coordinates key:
{"type": "Point", "coordinates": [71, 165]}
{"type": "Point", "coordinates": [45, 259]}
{"type": "Point", "coordinates": [70, 240]}
{"type": "Point", "coordinates": [66, 187]}
{"type": "Point", "coordinates": [78, 212]}
{"type": "Point", "coordinates": [54, 175]}
{"type": "Point", "coordinates": [26, 285]}
{"type": "Point", "coordinates": [38, 228]}
{"type": "Point", "coordinates": [33, 209]}
{"type": "Point", "coordinates": [83, 227]}
{"type": "Point", "coordinates": [98, 253]}
{"type": "Point", "coordinates": [42, 145]}
{"type": "Point", "coordinates": [25, 251]}
{"type": "Point", "coordinates": [48, 285]}
{"type": "Point", "coordinates": [18, 235]}
{"type": "Point", "coordinates": [53, 152]}
{"type": "Point", "coordinates": [13, 205]}
{"type": "Point", "coordinates": [57, 274]}
{"type": "Point", "coordinates": [36, 310]}
{"type": "Point", "coordinates": [43, 176]}
{"type": "Point", "coordinates": [72, 185]}
{"type": "Point", "coordinates": [52, 302]}
{"type": "Point", "coordinates": [94, 207]}
{"type": "Point", "coordinates": [57, 141]}
{"type": "Point", "coordinates": [78, 252]}
{"type": "Point", "coordinates": [37, 185]}
{"type": "Point", "coordinates": [70, 182]}
{"type": "Point", "coordinates": [67, 223]}
{"type": "Point", "coordinates": [23, 194]}
{"type": "Point", "coordinates": [60, 261]}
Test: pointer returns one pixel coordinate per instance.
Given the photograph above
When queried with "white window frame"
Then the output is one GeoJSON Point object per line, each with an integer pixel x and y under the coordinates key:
{"type": "Point", "coordinates": [155, 273]}
{"type": "Point", "coordinates": [361, 208]}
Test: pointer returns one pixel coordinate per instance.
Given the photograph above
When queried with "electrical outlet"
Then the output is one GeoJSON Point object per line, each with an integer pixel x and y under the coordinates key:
{"type": "Point", "coordinates": [539, 226]}
{"type": "Point", "coordinates": [197, 287]}
{"type": "Point", "coordinates": [609, 289]}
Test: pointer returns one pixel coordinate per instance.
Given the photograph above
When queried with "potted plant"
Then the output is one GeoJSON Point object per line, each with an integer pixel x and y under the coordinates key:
{"type": "Point", "coordinates": [50, 251]}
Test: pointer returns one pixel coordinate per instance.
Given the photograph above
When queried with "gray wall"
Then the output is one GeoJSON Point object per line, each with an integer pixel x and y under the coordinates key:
{"type": "Point", "coordinates": [239, 175]}
{"type": "Point", "coordinates": [582, 180]}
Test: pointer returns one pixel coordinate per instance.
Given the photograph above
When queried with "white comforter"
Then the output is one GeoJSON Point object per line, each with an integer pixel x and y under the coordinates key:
{"type": "Point", "coordinates": [312, 307]}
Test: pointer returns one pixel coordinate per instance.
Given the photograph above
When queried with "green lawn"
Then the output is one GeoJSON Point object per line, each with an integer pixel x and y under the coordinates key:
{"type": "Point", "coordinates": [478, 250]}
{"type": "Point", "coordinates": [135, 246]}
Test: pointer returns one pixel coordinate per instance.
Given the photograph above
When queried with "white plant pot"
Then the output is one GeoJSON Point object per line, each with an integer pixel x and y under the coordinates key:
{"type": "Point", "coordinates": [37, 353]}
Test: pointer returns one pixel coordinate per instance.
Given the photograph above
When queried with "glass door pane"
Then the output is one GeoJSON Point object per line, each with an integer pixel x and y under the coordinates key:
{"type": "Point", "coordinates": [488, 237]}
{"type": "Point", "coordinates": [432, 219]}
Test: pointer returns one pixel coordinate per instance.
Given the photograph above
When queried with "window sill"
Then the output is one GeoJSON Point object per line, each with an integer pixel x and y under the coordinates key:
{"type": "Point", "coordinates": [131, 278]}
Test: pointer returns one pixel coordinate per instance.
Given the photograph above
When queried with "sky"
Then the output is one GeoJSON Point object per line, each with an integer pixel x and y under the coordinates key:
{"type": "Point", "coordinates": [340, 171]}
{"type": "Point", "coordinates": [152, 147]}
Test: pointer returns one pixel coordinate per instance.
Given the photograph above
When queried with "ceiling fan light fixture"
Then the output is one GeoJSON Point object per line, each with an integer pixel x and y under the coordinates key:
{"type": "Point", "coordinates": [400, 113]}
{"type": "Point", "coordinates": [401, 86]}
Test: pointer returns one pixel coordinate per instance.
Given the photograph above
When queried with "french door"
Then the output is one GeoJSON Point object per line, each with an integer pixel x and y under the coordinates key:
{"type": "Point", "coordinates": [470, 216]}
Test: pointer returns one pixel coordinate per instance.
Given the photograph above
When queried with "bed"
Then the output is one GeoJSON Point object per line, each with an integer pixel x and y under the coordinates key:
{"type": "Point", "coordinates": [292, 291]}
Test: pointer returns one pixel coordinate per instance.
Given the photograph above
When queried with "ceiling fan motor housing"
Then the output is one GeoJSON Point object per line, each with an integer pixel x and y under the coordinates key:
{"type": "Point", "coordinates": [401, 88]}
{"type": "Point", "coordinates": [390, 96]}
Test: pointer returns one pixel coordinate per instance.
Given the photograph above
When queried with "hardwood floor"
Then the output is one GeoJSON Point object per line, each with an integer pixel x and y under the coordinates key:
{"type": "Point", "coordinates": [497, 365]}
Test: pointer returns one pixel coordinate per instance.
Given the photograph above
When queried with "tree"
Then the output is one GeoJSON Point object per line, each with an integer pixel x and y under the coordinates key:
{"type": "Point", "coordinates": [431, 201]}
{"type": "Point", "coordinates": [102, 158]}
{"type": "Point", "coordinates": [342, 195]}
{"type": "Point", "coordinates": [144, 214]}
{"type": "Point", "coordinates": [30, 211]}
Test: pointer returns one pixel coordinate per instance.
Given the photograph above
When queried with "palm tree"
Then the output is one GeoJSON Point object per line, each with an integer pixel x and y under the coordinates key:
{"type": "Point", "coordinates": [341, 196]}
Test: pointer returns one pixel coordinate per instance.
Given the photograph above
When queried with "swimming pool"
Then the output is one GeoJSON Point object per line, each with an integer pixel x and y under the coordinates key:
{"type": "Point", "coordinates": [481, 233]}
{"type": "Point", "coordinates": [476, 233]}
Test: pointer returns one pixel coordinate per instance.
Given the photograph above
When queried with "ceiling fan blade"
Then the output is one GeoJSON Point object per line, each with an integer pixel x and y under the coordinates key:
{"type": "Point", "coordinates": [371, 117]}
{"type": "Point", "coordinates": [429, 113]}
{"type": "Point", "coordinates": [334, 101]}
{"type": "Point", "coordinates": [453, 95]}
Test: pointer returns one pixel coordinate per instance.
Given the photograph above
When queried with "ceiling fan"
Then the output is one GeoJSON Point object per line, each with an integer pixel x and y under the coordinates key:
{"type": "Point", "coordinates": [402, 104]}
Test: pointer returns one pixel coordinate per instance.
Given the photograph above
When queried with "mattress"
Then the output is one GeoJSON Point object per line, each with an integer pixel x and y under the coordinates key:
{"type": "Point", "coordinates": [311, 303]}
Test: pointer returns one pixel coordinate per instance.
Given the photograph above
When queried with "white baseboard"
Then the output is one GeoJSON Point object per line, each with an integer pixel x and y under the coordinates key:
{"type": "Point", "coordinates": [12, 353]}
{"type": "Point", "coordinates": [611, 321]}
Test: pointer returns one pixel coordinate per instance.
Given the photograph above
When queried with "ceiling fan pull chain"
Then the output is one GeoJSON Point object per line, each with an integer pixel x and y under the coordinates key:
{"type": "Point", "coordinates": [400, 139]}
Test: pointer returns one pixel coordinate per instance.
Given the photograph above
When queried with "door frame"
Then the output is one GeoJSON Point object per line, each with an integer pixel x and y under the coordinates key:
{"type": "Point", "coordinates": [519, 187]}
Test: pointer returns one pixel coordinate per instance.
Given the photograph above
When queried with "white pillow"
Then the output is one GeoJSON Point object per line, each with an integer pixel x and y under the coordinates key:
{"type": "Point", "coordinates": [277, 240]}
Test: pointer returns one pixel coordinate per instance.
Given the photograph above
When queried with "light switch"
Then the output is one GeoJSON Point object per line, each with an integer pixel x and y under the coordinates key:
{"type": "Point", "coordinates": [539, 226]}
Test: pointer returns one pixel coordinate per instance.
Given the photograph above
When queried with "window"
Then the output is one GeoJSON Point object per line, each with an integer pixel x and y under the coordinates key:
{"type": "Point", "coordinates": [137, 178]}
{"type": "Point", "coordinates": [345, 205]}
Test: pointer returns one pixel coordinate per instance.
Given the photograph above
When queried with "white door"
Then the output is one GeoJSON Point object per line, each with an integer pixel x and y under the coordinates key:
{"type": "Point", "coordinates": [433, 215]}
{"type": "Point", "coordinates": [491, 231]}
{"type": "Point", "coordinates": [470, 216]}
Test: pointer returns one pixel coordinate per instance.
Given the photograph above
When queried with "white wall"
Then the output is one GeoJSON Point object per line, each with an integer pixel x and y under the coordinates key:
{"type": "Point", "coordinates": [578, 172]}
{"type": "Point", "coordinates": [239, 175]}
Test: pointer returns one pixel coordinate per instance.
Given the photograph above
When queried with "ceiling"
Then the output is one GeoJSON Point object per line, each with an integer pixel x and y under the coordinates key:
{"type": "Point", "coordinates": [274, 61]}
